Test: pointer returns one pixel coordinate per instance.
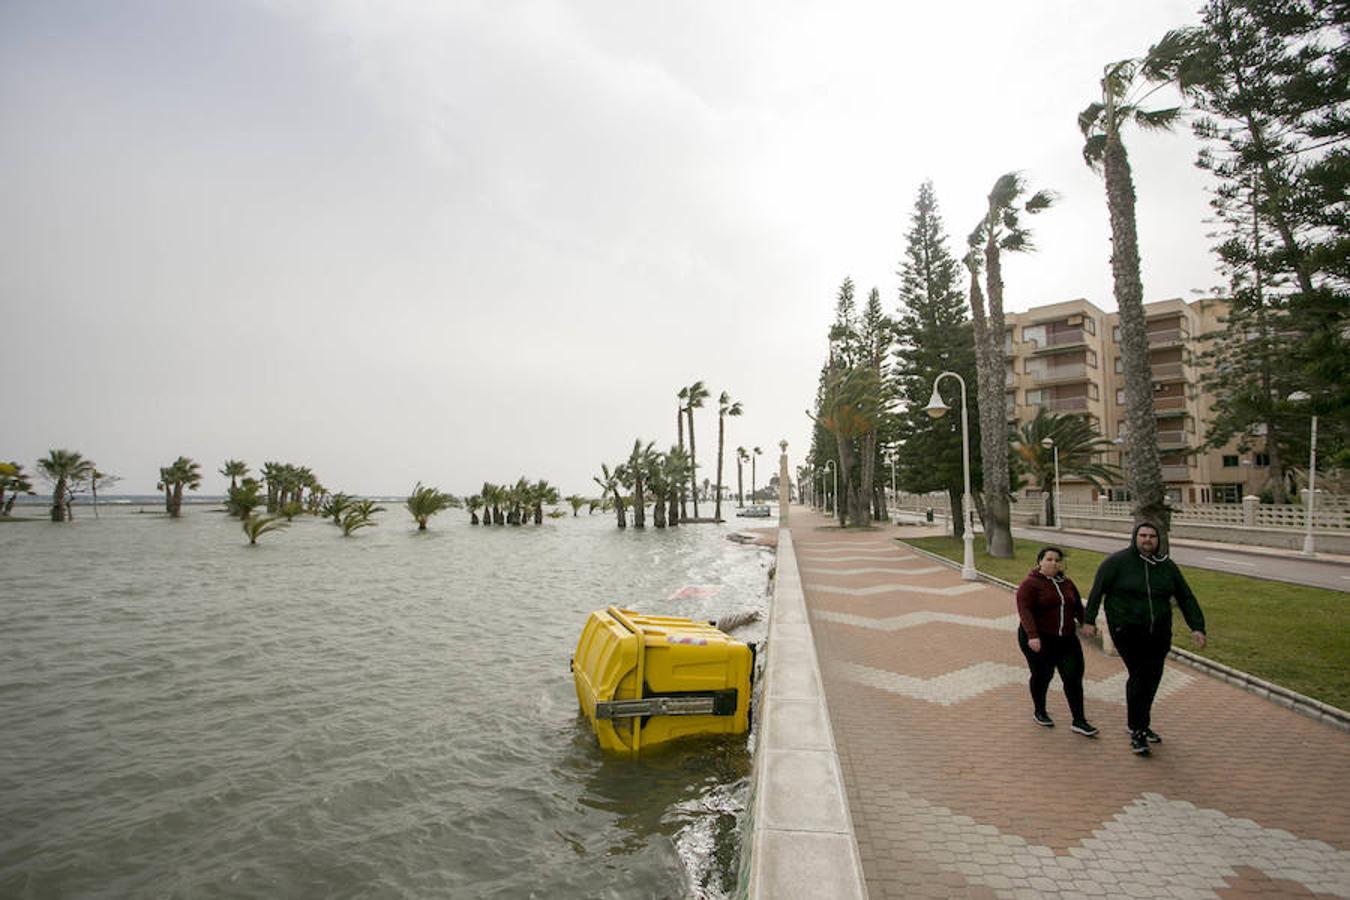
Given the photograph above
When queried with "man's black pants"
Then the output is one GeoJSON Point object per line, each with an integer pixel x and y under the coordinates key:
{"type": "Point", "coordinates": [1143, 651]}
{"type": "Point", "coordinates": [1062, 653]}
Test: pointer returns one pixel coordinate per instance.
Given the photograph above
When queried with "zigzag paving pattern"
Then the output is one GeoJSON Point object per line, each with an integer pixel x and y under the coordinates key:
{"type": "Point", "coordinates": [954, 792]}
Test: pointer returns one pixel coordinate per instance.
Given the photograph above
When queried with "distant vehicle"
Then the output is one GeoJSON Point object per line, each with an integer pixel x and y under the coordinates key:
{"type": "Point", "coordinates": [755, 512]}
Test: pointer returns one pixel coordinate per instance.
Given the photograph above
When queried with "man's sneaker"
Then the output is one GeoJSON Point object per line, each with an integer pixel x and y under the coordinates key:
{"type": "Point", "coordinates": [1043, 719]}
{"type": "Point", "coordinates": [1085, 728]}
{"type": "Point", "coordinates": [1139, 743]}
{"type": "Point", "coordinates": [1152, 736]}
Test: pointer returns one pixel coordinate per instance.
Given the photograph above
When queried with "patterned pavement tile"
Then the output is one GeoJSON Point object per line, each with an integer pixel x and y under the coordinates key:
{"type": "Point", "coordinates": [954, 792]}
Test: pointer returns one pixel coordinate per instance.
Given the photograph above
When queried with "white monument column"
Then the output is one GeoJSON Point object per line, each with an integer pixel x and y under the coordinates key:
{"type": "Point", "coordinates": [784, 485]}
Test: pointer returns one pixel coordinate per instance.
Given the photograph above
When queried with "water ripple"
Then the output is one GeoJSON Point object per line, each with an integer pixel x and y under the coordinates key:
{"type": "Point", "coordinates": [389, 714]}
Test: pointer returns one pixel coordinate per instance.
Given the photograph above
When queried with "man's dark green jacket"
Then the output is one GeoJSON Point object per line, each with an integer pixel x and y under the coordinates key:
{"type": "Point", "coordinates": [1138, 591]}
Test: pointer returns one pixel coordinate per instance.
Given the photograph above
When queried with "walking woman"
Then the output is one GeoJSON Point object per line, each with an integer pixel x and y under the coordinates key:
{"type": "Point", "coordinates": [1050, 607]}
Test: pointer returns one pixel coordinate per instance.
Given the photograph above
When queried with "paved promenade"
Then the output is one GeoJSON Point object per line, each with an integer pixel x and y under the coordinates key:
{"type": "Point", "coordinates": [955, 792]}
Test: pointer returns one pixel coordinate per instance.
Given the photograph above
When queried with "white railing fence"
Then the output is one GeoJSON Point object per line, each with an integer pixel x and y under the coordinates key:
{"type": "Point", "coordinates": [1331, 518]}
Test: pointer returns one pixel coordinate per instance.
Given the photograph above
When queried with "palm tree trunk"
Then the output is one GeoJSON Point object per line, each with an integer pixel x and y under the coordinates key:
{"type": "Point", "coordinates": [957, 506]}
{"type": "Point", "coordinates": [639, 503]}
{"type": "Point", "coordinates": [673, 514]}
{"type": "Point", "coordinates": [693, 466]}
{"type": "Point", "coordinates": [59, 500]}
{"type": "Point", "coordinates": [618, 507]}
{"type": "Point", "coordinates": [845, 449]}
{"type": "Point", "coordinates": [993, 424]}
{"type": "Point", "coordinates": [1143, 469]}
{"type": "Point", "coordinates": [740, 484]}
{"type": "Point", "coordinates": [869, 465]}
{"type": "Point", "coordinates": [176, 509]}
{"type": "Point", "coordinates": [721, 441]}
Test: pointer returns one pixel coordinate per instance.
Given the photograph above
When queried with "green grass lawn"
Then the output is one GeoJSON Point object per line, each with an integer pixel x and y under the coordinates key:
{"type": "Point", "coordinates": [1295, 636]}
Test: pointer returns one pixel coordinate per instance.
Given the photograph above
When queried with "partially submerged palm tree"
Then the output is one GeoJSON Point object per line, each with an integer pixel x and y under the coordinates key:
{"type": "Point", "coordinates": [725, 407]}
{"type": "Point", "coordinates": [610, 484]}
{"type": "Point", "coordinates": [257, 527]}
{"type": "Point", "coordinates": [336, 506]}
{"type": "Point", "coordinates": [234, 469]}
{"type": "Point", "coordinates": [753, 461]}
{"type": "Point", "coordinates": [473, 503]}
{"type": "Point", "coordinates": [182, 473]}
{"type": "Point", "coordinates": [360, 515]}
{"type": "Point", "coordinates": [242, 500]}
{"type": "Point", "coordinates": [697, 394]}
{"type": "Point", "coordinates": [1080, 447]}
{"type": "Point", "coordinates": [425, 502]}
{"type": "Point", "coordinates": [1126, 86]}
{"type": "Point", "coordinates": [63, 468]}
{"type": "Point", "coordinates": [13, 480]}
{"type": "Point", "coordinates": [576, 501]}
{"type": "Point", "coordinates": [742, 458]}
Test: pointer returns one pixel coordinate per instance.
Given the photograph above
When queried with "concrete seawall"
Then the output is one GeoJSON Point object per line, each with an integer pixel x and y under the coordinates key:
{"type": "Point", "coordinates": [800, 843]}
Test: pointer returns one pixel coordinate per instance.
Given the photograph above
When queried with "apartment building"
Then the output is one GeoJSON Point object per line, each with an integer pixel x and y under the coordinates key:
{"type": "Point", "coordinates": [1066, 358]}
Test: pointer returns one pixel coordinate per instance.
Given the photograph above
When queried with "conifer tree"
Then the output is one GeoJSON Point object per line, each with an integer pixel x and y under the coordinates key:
{"type": "Point", "coordinates": [1272, 81]}
{"type": "Point", "coordinates": [933, 335]}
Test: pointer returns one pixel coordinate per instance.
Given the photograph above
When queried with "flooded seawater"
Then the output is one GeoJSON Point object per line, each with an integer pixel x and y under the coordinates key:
{"type": "Point", "coordinates": [383, 715]}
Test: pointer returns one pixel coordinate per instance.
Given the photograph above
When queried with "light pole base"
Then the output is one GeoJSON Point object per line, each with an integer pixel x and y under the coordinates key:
{"type": "Point", "coordinates": [968, 572]}
{"type": "Point", "coordinates": [1308, 548]}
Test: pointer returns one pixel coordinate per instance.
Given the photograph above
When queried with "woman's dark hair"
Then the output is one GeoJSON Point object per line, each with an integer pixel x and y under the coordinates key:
{"type": "Point", "coordinates": [1040, 554]}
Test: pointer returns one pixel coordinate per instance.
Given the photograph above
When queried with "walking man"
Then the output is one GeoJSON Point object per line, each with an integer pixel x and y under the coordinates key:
{"type": "Point", "coordinates": [1138, 586]}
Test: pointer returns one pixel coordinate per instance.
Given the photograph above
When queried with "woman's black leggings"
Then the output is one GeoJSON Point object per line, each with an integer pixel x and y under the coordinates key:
{"type": "Point", "coordinates": [1062, 653]}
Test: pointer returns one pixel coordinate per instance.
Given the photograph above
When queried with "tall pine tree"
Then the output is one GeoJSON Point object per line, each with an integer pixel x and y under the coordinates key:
{"type": "Point", "coordinates": [1272, 81]}
{"type": "Point", "coordinates": [933, 335]}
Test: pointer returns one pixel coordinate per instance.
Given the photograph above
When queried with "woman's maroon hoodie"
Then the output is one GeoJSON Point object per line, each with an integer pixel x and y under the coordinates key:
{"type": "Point", "coordinates": [1048, 606]}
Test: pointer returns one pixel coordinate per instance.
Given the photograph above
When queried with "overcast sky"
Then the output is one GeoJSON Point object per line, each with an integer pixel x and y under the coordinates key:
{"type": "Point", "coordinates": [455, 242]}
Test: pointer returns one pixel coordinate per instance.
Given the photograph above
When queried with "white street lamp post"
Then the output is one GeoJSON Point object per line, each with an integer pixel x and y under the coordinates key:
{"type": "Point", "coordinates": [1050, 442]}
{"type": "Point", "coordinates": [937, 409]}
{"type": "Point", "coordinates": [1309, 544]}
{"type": "Point", "coordinates": [834, 505]}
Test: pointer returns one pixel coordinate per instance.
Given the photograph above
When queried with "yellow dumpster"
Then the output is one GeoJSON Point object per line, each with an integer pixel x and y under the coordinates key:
{"type": "Point", "coordinates": [646, 680]}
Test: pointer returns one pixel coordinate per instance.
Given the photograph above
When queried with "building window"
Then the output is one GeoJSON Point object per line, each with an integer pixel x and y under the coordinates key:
{"type": "Point", "coordinates": [1120, 495]}
{"type": "Point", "coordinates": [1035, 397]}
{"type": "Point", "coordinates": [1120, 396]}
{"type": "Point", "coordinates": [1092, 358]}
{"type": "Point", "coordinates": [1120, 366]}
{"type": "Point", "coordinates": [1262, 460]}
{"type": "Point", "coordinates": [1034, 334]}
{"type": "Point", "coordinates": [1090, 325]}
{"type": "Point", "coordinates": [1093, 392]}
{"type": "Point", "coordinates": [1230, 461]}
{"type": "Point", "coordinates": [1115, 334]}
{"type": "Point", "coordinates": [1227, 493]}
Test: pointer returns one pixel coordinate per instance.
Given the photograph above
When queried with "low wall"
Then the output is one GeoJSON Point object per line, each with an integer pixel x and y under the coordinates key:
{"type": "Point", "coordinates": [1281, 538]}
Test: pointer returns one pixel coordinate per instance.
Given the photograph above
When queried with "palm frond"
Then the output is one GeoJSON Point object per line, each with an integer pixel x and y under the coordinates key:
{"type": "Point", "coordinates": [1089, 119]}
{"type": "Point", "coordinates": [1157, 119]}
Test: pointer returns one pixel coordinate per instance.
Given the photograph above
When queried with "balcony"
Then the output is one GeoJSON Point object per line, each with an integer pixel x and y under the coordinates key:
{"type": "Point", "coordinates": [1066, 404]}
{"type": "Point", "coordinates": [1060, 340]}
{"type": "Point", "coordinates": [1053, 374]}
{"type": "Point", "coordinates": [1172, 439]}
{"type": "Point", "coordinates": [1168, 337]}
{"type": "Point", "coordinates": [1164, 404]}
{"type": "Point", "coordinates": [1172, 371]}
{"type": "Point", "coordinates": [1176, 473]}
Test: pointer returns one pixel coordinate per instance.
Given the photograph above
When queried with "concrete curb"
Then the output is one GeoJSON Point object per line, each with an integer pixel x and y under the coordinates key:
{"type": "Point", "coordinates": [1316, 709]}
{"type": "Point", "coordinates": [800, 843]}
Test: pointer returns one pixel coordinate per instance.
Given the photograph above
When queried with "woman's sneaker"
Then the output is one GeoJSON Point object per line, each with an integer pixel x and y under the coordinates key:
{"type": "Point", "coordinates": [1085, 728]}
{"type": "Point", "coordinates": [1139, 743]}
{"type": "Point", "coordinates": [1152, 736]}
{"type": "Point", "coordinates": [1043, 719]}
